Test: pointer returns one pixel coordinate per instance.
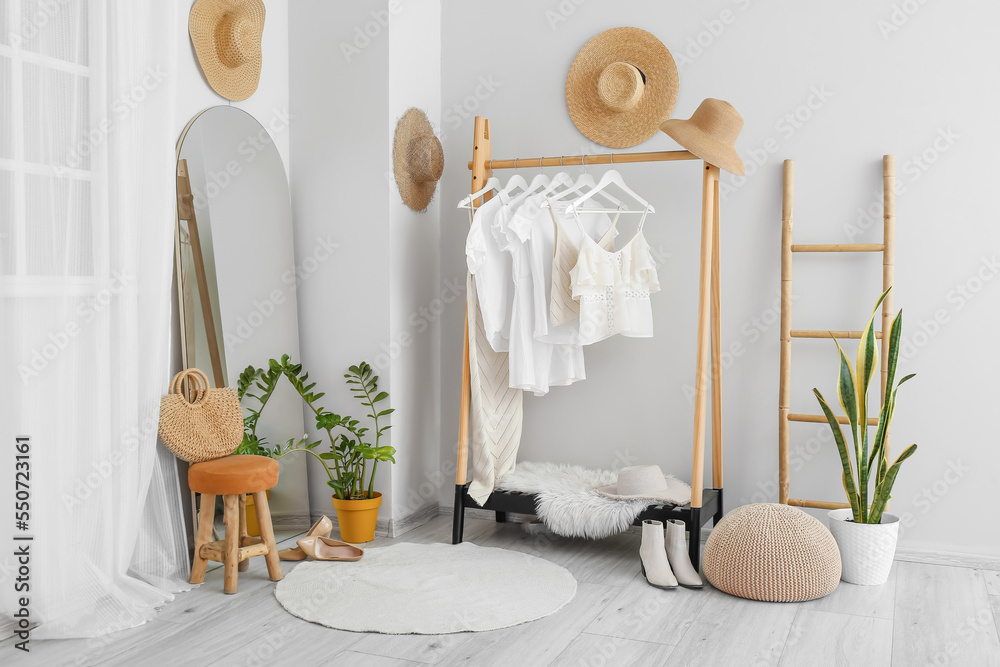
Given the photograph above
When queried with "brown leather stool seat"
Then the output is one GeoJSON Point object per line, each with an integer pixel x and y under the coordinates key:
{"type": "Point", "coordinates": [233, 475]}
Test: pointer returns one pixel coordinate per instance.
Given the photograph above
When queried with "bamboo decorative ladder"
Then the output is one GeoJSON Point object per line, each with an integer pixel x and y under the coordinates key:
{"type": "Point", "coordinates": [888, 250]}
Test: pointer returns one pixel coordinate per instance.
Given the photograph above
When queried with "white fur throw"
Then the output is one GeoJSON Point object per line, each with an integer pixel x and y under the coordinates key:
{"type": "Point", "coordinates": [565, 500]}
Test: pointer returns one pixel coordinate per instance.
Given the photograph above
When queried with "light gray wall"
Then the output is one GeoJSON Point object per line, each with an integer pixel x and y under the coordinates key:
{"type": "Point", "coordinates": [835, 87]}
{"type": "Point", "coordinates": [340, 195]}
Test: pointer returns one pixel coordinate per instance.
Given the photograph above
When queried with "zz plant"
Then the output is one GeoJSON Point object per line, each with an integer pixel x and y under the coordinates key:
{"type": "Point", "coordinates": [352, 445]}
{"type": "Point", "coordinates": [265, 382]}
{"type": "Point", "coordinates": [852, 390]}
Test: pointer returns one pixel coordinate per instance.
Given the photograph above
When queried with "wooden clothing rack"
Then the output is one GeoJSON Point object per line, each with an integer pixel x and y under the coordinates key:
{"type": "Point", "coordinates": [888, 250]}
{"type": "Point", "coordinates": [706, 503]}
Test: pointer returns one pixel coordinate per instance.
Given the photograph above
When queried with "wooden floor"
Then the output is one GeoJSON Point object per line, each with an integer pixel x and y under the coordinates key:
{"type": "Point", "coordinates": [925, 615]}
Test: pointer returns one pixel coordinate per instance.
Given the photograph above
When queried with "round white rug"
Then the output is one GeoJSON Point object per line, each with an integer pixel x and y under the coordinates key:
{"type": "Point", "coordinates": [427, 589]}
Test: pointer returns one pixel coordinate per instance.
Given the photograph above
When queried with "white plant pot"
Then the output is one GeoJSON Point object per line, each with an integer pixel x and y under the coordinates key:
{"type": "Point", "coordinates": [866, 549]}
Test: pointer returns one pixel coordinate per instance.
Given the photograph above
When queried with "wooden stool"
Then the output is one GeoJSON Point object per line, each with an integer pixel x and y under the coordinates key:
{"type": "Point", "coordinates": [232, 477]}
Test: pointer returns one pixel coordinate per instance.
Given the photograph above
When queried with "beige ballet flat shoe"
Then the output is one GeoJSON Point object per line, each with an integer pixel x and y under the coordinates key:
{"type": "Point", "coordinates": [324, 548]}
{"type": "Point", "coordinates": [321, 528]}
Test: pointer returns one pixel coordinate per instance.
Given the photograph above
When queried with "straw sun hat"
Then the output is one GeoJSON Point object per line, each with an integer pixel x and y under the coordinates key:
{"type": "Point", "coordinates": [621, 86]}
{"type": "Point", "coordinates": [226, 35]}
{"type": "Point", "coordinates": [647, 483]}
{"type": "Point", "coordinates": [417, 159]}
{"type": "Point", "coordinates": [710, 133]}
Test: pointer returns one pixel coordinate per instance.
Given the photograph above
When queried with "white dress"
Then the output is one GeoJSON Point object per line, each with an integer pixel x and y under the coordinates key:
{"type": "Point", "coordinates": [536, 365]}
{"type": "Point", "coordinates": [492, 268]}
{"type": "Point", "coordinates": [613, 288]}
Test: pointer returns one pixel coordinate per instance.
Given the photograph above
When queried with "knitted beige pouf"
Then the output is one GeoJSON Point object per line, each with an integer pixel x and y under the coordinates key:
{"type": "Point", "coordinates": [771, 552]}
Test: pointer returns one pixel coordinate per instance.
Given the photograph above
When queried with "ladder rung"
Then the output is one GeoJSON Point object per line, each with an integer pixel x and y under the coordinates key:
{"type": "Point", "coordinates": [839, 247]}
{"type": "Point", "coordinates": [816, 333]}
{"type": "Point", "coordinates": [818, 504]}
{"type": "Point", "coordinates": [820, 419]}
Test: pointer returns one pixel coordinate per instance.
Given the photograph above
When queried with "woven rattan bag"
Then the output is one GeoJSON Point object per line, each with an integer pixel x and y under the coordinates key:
{"type": "Point", "coordinates": [208, 427]}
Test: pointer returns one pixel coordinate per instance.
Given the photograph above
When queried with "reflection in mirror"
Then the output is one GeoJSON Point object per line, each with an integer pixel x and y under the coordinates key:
{"type": "Point", "coordinates": [202, 345]}
{"type": "Point", "coordinates": [234, 256]}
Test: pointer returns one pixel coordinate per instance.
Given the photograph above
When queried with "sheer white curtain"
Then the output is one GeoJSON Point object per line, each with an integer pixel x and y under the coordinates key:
{"type": "Point", "coordinates": [87, 137]}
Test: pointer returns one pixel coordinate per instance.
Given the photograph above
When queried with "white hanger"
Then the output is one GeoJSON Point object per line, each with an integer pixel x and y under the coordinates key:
{"type": "Point", "coordinates": [584, 181]}
{"type": "Point", "coordinates": [611, 176]}
{"type": "Point", "coordinates": [561, 178]}
{"type": "Point", "coordinates": [492, 184]}
{"type": "Point", "coordinates": [515, 181]}
{"type": "Point", "coordinates": [539, 181]}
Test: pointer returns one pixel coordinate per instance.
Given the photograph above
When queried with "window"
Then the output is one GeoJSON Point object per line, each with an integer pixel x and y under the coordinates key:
{"type": "Point", "coordinates": [48, 150]}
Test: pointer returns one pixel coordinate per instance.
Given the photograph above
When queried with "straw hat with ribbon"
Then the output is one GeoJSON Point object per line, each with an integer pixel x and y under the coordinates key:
{"type": "Point", "coordinates": [710, 133]}
{"type": "Point", "coordinates": [621, 86]}
{"type": "Point", "coordinates": [226, 35]}
{"type": "Point", "coordinates": [417, 159]}
{"type": "Point", "coordinates": [647, 483]}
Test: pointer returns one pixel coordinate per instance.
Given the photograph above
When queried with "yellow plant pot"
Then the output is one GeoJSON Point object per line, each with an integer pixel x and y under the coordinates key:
{"type": "Point", "coordinates": [357, 518]}
{"type": "Point", "coordinates": [253, 526]}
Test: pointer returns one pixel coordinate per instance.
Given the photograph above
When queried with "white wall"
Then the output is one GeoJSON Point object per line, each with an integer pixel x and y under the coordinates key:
{"type": "Point", "coordinates": [269, 105]}
{"type": "Point", "coordinates": [340, 145]}
{"type": "Point", "coordinates": [925, 89]}
{"type": "Point", "coordinates": [417, 295]}
{"type": "Point", "coordinates": [355, 68]}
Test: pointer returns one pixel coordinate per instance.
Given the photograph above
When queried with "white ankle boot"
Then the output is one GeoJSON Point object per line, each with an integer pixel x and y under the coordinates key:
{"type": "Point", "coordinates": [677, 554]}
{"type": "Point", "coordinates": [653, 556]}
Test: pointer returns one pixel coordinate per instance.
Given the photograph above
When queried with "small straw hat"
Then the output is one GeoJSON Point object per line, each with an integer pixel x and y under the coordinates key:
{"type": "Point", "coordinates": [417, 159]}
{"type": "Point", "coordinates": [226, 35]}
{"type": "Point", "coordinates": [648, 483]}
{"type": "Point", "coordinates": [621, 86]}
{"type": "Point", "coordinates": [710, 133]}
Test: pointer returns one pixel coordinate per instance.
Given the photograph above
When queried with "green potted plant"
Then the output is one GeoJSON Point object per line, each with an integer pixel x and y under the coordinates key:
{"type": "Point", "coordinates": [265, 382]}
{"type": "Point", "coordinates": [866, 533]}
{"type": "Point", "coordinates": [352, 447]}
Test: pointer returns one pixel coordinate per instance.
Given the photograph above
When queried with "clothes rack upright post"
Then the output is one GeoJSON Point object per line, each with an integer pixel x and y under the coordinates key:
{"type": "Point", "coordinates": [706, 503]}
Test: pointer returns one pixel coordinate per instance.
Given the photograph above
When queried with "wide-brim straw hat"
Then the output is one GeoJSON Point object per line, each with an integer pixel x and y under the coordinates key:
{"type": "Point", "coordinates": [226, 35]}
{"type": "Point", "coordinates": [647, 483]}
{"type": "Point", "coordinates": [417, 159]}
{"type": "Point", "coordinates": [710, 133]}
{"type": "Point", "coordinates": [621, 86]}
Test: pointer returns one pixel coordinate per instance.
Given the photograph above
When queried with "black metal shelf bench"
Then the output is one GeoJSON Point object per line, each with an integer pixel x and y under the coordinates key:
{"type": "Point", "coordinates": [514, 502]}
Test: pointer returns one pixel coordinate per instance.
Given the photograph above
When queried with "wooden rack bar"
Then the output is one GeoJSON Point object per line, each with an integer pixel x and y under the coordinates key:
{"type": "Point", "coordinates": [588, 160]}
{"type": "Point", "coordinates": [706, 503]}
{"type": "Point", "coordinates": [839, 247]}
{"type": "Point", "coordinates": [818, 333]}
{"type": "Point", "coordinates": [821, 419]}
{"type": "Point", "coordinates": [817, 504]}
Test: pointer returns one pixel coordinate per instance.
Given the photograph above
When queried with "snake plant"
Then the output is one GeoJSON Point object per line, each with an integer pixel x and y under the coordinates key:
{"type": "Point", "coordinates": [852, 389]}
